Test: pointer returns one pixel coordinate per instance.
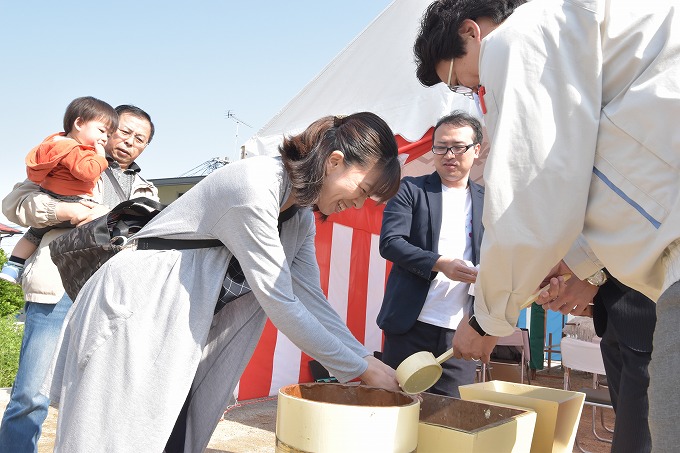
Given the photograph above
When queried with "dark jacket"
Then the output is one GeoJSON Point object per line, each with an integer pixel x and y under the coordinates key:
{"type": "Point", "coordinates": [409, 238]}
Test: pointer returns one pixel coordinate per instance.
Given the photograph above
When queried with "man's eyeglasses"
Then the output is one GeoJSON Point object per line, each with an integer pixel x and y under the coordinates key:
{"type": "Point", "coordinates": [459, 89]}
{"type": "Point", "coordinates": [140, 140]}
{"type": "Point", "coordinates": [456, 150]}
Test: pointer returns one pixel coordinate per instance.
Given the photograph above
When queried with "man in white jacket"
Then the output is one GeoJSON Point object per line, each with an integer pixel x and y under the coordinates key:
{"type": "Point", "coordinates": [46, 302]}
{"type": "Point", "coordinates": [581, 100]}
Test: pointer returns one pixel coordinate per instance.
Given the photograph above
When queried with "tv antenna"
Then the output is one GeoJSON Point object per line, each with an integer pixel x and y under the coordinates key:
{"type": "Point", "coordinates": [230, 115]}
{"type": "Point", "coordinates": [207, 167]}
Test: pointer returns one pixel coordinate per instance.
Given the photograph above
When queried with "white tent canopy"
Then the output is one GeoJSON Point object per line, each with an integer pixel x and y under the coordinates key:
{"type": "Point", "coordinates": [376, 73]}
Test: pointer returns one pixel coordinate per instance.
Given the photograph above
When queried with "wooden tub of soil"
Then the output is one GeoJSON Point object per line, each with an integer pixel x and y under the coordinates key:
{"type": "Point", "coordinates": [324, 417]}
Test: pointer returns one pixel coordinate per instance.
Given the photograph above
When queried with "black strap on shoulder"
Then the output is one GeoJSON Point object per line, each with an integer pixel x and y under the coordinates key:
{"type": "Point", "coordinates": [176, 244]}
{"type": "Point", "coordinates": [184, 244]}
{"type": "Point", "coordinates": [287, 215]}
{"type": "Point", "coordinates": [115, 184]}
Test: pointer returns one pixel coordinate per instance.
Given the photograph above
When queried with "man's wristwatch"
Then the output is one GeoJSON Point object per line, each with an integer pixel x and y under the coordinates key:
{"type": "Point", "coordinates": [475, 325]}
{"type": "Point", "coordinates": [599, 278]}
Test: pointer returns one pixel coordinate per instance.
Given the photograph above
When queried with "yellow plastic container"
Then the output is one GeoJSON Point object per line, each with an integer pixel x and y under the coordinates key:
{"type": "Point", "coordinates": [558, 411]}
{"type": "Point", "coordinates": [453, 425]}
{"type": "Point", "coordinates": [329, 418]}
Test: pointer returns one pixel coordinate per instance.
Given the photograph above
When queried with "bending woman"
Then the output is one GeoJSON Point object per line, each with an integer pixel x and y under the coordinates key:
{"type": "Point", "coordinates": [141, 335]}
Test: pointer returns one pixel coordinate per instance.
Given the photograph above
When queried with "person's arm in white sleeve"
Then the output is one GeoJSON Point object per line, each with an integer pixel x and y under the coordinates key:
{"type": "Point", "coordinates": [27, 206]}
{"type": "Point", "coordinates": [581, 260]}
{"type": "Point", "coordinates": [543, 94]}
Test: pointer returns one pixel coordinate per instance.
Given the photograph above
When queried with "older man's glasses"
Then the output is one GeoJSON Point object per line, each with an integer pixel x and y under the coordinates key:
{"type": "Point", "coordinates": [459, 89]}
{"type": "Point", "coordinates": [140, 140]}
{"type": "Point", "coordinates": [456, 150]}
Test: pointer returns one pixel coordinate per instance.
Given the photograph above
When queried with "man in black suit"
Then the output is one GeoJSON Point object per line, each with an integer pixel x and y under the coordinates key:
{"type": "Point", "coordinates": [431, 232]}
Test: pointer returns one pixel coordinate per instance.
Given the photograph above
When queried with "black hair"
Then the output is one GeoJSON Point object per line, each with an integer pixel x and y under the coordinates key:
{"type": "Point", "coordinates": [88, 109]}
{"type": "Point", "coordinates": [460, 118]}
{"type": "Point", "coordinates": [364, 139]}
{"type": "Point", "coordinates": [438, 38]}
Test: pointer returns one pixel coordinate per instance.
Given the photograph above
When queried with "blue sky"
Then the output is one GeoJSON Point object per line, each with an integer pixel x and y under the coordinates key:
{"type": "Point", "coordinates": [186, 63]}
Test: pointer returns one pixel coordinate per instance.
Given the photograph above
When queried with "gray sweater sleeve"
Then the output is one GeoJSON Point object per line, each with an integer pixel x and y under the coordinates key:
{"type": "Point", "coordinates": [257, 246]}
{"type": "Point", "coordinates": [306, 286]}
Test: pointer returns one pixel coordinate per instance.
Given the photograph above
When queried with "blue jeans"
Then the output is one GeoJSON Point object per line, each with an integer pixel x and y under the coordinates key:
{"type": "Point", "coordinates": [27, 408]}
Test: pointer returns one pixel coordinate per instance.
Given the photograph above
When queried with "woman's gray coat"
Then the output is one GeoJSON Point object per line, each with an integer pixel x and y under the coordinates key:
{"type": "Point", "coordinates": [141, 333]}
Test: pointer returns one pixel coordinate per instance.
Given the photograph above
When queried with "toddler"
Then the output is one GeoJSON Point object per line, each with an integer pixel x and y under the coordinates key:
{"type": "Point", "coordinates": [67, 166]}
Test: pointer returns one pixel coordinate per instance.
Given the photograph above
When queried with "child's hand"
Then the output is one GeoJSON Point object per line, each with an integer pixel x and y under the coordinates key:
{"type": "Point", "coordinates": [99, 147]}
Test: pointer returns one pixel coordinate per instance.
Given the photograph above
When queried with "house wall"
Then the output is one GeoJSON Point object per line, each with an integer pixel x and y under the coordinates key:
{"type": "Point", "coordinates": [170, 189]}
{"type": "Point", "coordinates": [168, 194]}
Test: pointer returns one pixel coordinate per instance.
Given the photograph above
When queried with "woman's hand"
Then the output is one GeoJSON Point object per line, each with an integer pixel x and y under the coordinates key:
{"type": "Point", "coordinates": [379, 375]}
